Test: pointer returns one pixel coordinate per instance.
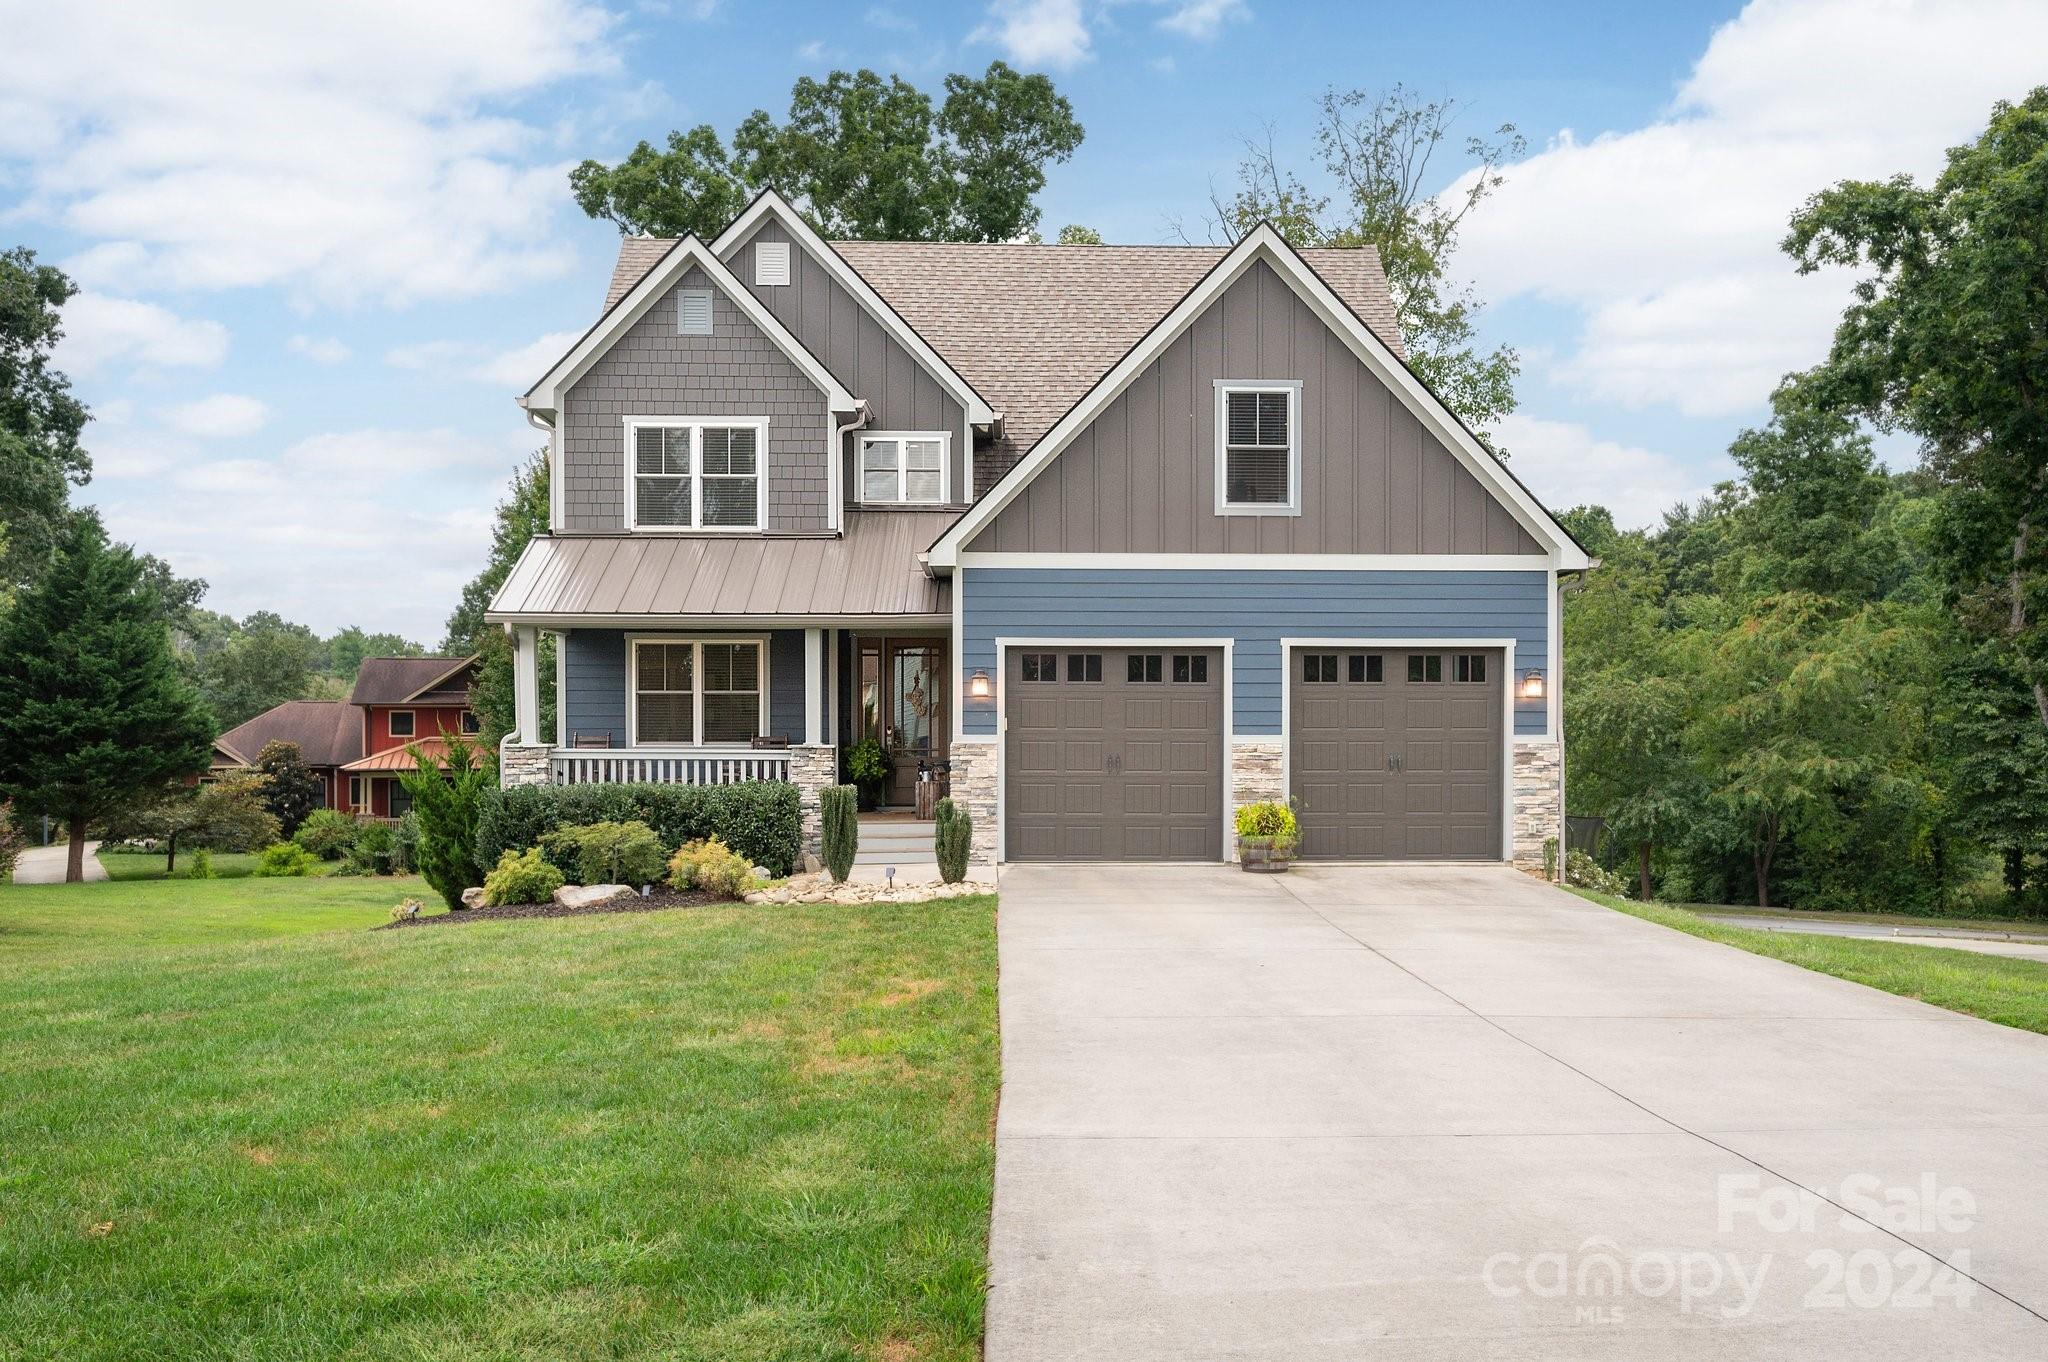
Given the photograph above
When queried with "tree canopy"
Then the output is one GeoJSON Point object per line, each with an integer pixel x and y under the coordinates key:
{"type": "Point", "coordinates": [41, 423]}
{"type": "Point", "coordinates": [520, 516]}
{"type": "Point", "coordinates": [862, 157]}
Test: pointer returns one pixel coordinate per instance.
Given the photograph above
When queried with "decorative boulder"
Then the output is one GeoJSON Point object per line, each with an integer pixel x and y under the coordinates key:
{"type": "Point", "coordinates": [584, 895]}
{"type": "Point", "coordinates": [473, 897]}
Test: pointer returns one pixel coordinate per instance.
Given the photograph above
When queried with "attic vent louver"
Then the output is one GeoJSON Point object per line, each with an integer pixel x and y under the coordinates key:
{"type": "Point", "coordinates": [693, 312]}
{"type": "Point", "coordinates": [771, 264]}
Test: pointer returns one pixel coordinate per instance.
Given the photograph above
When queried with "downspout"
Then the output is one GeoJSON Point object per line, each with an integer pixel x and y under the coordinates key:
{"type": "Point", "coordinates": [538, 422]}
{"type": "Point", "coordinates": [835, 483]}
{"type": "Point", "coordinates": [1577, 578]}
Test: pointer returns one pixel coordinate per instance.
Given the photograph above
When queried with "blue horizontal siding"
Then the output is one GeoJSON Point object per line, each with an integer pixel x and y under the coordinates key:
{"type": "Point", "coordinates": [594, 683]}
{"type": "Point", "coordinates": [1257, 609]}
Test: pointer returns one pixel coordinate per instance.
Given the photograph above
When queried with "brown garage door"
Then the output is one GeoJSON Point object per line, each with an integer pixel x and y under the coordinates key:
{"type": "Point", "coordinates": [1113, 754]}
{"type": "Point", "coordinates": [1396, 755]}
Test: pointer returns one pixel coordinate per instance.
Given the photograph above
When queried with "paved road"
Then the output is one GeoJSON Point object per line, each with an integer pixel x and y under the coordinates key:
{"type": "Point", "coordinates": [2015, 944]}
{"type": "Point", "coordinates": [1416, 1113]}
{"type": "Point", "coordinates": [45, 865]}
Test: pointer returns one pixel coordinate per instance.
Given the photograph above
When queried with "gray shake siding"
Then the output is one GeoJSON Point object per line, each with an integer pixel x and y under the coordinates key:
{"type": "Point", "coordinates": [1256, 609]}
{"type": "Point", "coordinates": [736, 371]}
{"type": "Point", "coordinates": [834, 326]}
{"type": "Point", "coordinates": [1142, 478]}
{"type": "Point", "coordinates": [594, 683]}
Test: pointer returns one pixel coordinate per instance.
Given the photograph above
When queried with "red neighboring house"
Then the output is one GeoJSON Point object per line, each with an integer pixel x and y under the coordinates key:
{"type": "Point", "coordinates": [357, 746]}
{"type": "Point", "coordinates": [404, 701]}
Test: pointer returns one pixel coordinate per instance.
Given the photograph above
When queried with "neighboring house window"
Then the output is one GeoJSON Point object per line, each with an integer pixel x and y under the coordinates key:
{"type": "Point", "coordinates": [401, 799]}
{"type": "Point", "coordinates": [1258, 448]}
{"type": "Point", "coordinates": [399, 723]}
{"type": "Point", "coordinates": [771, 264]}
{"type": "Point", "coordinates": [696, 476]}
{"type": "Point", "coordinates": [355, 792]}
{"type": "Point", "coordinates": [681, 689]}
{"type": "Point", "coordinates": [908, 467]}
{"type": "Point", "coordinates": [470, 723]}
{"type": "Point", "coordinates": [693, 312]}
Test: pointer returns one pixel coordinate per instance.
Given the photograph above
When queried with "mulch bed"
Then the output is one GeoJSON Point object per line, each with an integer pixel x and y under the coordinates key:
{"type": "Point", "coordinates": [666, 898]}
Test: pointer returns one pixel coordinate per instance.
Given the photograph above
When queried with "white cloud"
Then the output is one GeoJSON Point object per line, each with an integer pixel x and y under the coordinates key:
{"type": "Point", "coordinates": [1038, 32]}
{"type": "Point", "coordinates": [1664, 239]}
{"type": "Point", "coordinates": [1203, 19]}
{"type": "Point", "coordinates": [374, 453]}
{"type": "Point", "coordinates": [346, 151]}
{"type": "Point", "coordinates": [1565, 465]}
{"type": "Point", "coordinates": [100, 329]}
{"type": "Point", "coordinates": [319, 349]}
{"type": "Point", "coordinates": [223, 416]}
{"type": "Point", "coordinates": [516, 368]}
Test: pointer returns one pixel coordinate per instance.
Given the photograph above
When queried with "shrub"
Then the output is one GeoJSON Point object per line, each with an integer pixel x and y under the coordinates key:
{"type": "Point", "coordinates": [405, 844]}
{"type": "Point", "coordinates": [712, 866]}
{"type": "Point", "coordinates": [374, 851]}
{"type": "Point", "coordinates": [1268, 819]}
{"type": "Point", "coordinates": [606, 853]}
{"type": "Point", "coordinates": [200, 867]}
{"type": "Point", "coordinates": [11, 840]}
{"type": "Point", "coordinates": [953, 840]}
{"type": "Point", "coordinates": [1582, 870]}
{"type": "Point", "coordinates": [327, 833]}
{"type": "Point", "coordinates": [286, 858]}
{"type": "Point", "coordinates": [867, 766]}
{"type": "Point", "coordinates": [406, 909]}
{"type": "Point", "coordinates": [447, 799]}
{"type": "Point", "coordinates": [291, 791]}
{"type": "Point", "coordinates": [761, 820]}
{"type": "Point", "coordinates": [839, 804]}
{"type": "Point", "coordinates": [521, 877]}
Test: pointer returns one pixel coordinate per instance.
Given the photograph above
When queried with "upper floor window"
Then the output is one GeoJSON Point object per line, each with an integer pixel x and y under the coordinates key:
{"type": "Point", "coordinates": [903, 467]}
{"type": "Point", "coordinates": [695, 475]}
{"type": "Point", "coordinates": [470, 723]}
{"type": "Point", "coordinates": [399, 723]}
{"type": "Point", "coordinates": [1258, 448]}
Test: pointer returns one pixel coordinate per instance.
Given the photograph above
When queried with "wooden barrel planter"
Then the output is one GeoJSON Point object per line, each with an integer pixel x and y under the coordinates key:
{"type": "Point", "coordinates": [1265, 855]}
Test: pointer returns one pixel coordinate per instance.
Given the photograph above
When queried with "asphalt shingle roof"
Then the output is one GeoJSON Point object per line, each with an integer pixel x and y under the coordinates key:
{"type": "Point", "coordinates": [328, 732]}
{"type": "Point", "coordinates": [396, 680]}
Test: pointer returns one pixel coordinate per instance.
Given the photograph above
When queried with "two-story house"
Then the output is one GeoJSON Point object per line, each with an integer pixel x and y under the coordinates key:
{"type": "Point", "coordinates": [1116, 538]}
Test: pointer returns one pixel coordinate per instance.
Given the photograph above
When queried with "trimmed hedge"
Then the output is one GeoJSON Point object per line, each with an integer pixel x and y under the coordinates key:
{"type": "Point", "coordinates": [761, 820]}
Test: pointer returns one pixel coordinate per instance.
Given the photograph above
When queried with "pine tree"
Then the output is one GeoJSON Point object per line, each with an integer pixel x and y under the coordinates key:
{"type": "Point", "coordinates": [94, 713]}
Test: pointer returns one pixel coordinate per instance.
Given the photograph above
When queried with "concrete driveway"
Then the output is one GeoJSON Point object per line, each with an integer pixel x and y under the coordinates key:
{"type": "Point", "coordinates": [1449, 1113]}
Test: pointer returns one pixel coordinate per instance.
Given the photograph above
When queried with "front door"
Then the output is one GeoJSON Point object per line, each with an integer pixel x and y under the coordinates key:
{"type": "Point", "coordinates": [903, 697]}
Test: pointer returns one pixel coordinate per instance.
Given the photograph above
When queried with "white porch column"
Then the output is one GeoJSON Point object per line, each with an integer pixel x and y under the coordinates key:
{"type": "Point", "coordinates": [526, 684]}
{"type": "Point", "coordinates": [814, 687]}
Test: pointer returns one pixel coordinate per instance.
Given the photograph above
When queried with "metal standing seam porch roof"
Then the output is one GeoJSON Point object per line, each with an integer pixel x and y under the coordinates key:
{"type": "Point", "coordinates": [874, 568]}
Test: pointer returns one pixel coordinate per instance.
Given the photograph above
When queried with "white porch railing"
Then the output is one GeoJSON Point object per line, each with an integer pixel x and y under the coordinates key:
{"type": "Point", "coordinates": [618, 766]}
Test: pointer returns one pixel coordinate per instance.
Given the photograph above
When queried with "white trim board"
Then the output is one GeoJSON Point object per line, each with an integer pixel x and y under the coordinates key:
{"type": "Point", "coordinates": [1263, 243]}
{"type": "Point", "coordinates": [546, 395]}
{"type": "Point", "coordinates": [1266, 562]}
{"type": "Point", "coordinates": [769, 203]}
{"type": "Point", "coordinates": [1449, 645]}
{"type": "Point", "coordinates": [1003, 644]}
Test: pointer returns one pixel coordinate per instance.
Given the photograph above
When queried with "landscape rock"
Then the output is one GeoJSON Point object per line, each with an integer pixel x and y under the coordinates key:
{"type": "Point", "coordinates": [583, 895]}
{"type": "Point", "coordinates": [762, 872]}
{"type": "Point", "coordinates": [473, 897]}
{"type": "Point", "coordinates": [811, 864]}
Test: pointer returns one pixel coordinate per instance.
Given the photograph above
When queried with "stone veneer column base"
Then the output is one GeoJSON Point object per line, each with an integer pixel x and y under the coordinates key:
{"type": "Point", "coordinates": [811, 769]}
{"type": "Point", "coordinates": [974, 786]}
{"type": "Point", "coordinates": [1539, 800]}
{"type": "Point", "coordinates": [519, 765]}
{"type": "Point", "coordinates": [1256, 776]}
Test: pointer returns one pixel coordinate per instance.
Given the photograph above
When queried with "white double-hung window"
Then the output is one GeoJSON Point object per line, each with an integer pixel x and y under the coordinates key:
{"type": "Point", "coordinates": [696, 691]}
{"type": "Point", "coordinates": [1258, 448]}
{"type": "Point", "coordinates": [902, 467]}
{"type": "Point", "coordinates": [695, 475]}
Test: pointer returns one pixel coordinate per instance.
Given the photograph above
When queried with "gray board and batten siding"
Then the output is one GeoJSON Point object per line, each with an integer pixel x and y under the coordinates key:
{"type": "Point", "coordinates": [1141, 478]}
{"type": "Point", "coordinates": [735, 371]}
{"type": "Point", "coordinates": [833, 325]}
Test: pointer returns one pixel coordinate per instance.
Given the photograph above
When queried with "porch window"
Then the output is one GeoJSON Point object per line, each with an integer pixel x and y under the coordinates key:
{"type": "Point", "coordinates": [695, 476]}
{"type": "Point", "coordinates": [903, 468]}
{"type": "Point", "coordinates": [684, 688]}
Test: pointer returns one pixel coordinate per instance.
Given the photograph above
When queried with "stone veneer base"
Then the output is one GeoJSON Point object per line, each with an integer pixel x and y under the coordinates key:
{"type": "Point", "coordinates": [811, 769]}
{"type": "Point", "coordinates": [1257, 775]}
{"type": "Point", "coordinates": [974, 785]}
{"type": "Point", "coordinates": [1539, 801]}
{"type": "Point", "coordinates": [519, 765]}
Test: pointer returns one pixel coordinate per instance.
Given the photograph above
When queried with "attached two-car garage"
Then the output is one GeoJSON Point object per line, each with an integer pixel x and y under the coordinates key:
{"type": "Point", "coordinates": [1117, 753]}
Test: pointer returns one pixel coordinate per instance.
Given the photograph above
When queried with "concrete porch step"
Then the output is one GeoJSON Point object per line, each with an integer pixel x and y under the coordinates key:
{"type": "Point", "coordinates": [894, 841]}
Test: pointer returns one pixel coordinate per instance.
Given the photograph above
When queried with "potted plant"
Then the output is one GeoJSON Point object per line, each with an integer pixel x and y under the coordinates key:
{"type": "Point", "coordinates": [867, 767]}
{"type": "Point", "coordinates": [1266, 837]}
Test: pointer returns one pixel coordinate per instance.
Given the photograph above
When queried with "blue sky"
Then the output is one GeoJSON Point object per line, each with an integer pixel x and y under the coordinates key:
{"type": "Point", "coordinates": [323, 247]}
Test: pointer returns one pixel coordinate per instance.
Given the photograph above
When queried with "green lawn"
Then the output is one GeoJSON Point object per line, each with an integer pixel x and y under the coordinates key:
{"type": "Point", "coordinates": [236, 1124]}
{"type": "Point", "coordinates": [1996, 988]}
{"type": "Point", "coordinates": [149, 865]}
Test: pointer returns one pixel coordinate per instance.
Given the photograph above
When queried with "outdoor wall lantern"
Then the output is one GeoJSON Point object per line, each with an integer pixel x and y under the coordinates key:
{"type": "Point", "coordinates": [1532, 684]}
{"type": "Point", "coordinates": [979, 686]}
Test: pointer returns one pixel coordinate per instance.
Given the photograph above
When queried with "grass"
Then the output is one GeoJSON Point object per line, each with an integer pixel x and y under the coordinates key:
{"type": "Point", "coordinates": [2016, 926]}
{"type": "Point", "coordinates": [149, 865]}
{"type": "Point", "coordinates": [237, 1124]}
{"type": "Point", "coordinates": [1997, 988]}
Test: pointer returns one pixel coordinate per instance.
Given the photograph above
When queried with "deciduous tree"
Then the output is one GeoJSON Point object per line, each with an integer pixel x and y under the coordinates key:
{"type": "Point", "coordinates": [41, 423]}
{"type": "Point", "coordinates": [291, 790]}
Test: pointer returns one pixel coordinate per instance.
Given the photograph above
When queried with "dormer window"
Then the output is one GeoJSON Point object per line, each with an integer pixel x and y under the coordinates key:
{"type": "Point", "coordinates": [695, 475]}
{"type": "Point", "coordinates": [898, 467]}
{"type": "Point", "coordinates": [1258, 448]}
